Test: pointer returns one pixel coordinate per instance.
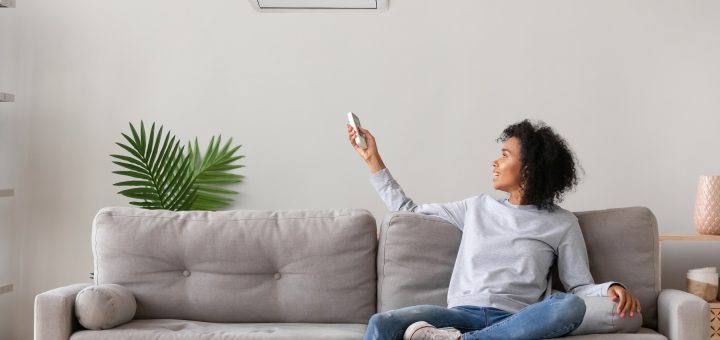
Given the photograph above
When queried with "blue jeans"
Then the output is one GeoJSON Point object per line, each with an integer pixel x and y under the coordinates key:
{"type": "Point", "coordinates": [554, 317]}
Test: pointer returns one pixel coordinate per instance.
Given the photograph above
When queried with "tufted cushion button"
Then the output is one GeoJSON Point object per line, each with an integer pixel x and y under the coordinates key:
{"type": "Point", "coordinates": [277, 276]}
{"type": "Point", "coordinates": [186, 273]}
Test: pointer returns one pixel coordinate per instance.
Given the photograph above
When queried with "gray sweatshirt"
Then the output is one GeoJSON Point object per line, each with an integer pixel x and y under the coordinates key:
{"type": "Point", "coordinates": [506, 250]}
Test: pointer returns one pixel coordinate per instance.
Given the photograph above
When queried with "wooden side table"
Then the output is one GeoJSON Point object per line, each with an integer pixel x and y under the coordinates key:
{"type": "Point", "coordinates": [715, 320]}
{"type": "Point", "coordinates": [685, 238]}
{"type": "Point", "coordinates": [689, 237]}
{"type": "Point", "coordinates": [714, 306]}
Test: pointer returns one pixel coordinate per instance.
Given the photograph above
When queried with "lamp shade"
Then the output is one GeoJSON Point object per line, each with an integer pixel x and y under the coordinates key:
{"type": "Point", "coordinates": [707, 206]}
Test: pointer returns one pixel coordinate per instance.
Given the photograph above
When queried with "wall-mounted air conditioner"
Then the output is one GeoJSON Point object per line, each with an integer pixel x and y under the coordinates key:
{"type": "Point", "coordinates": [273, 5]}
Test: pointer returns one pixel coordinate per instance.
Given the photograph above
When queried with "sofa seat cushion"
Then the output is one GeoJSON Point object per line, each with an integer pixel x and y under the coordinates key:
{"type": "Point", "coordinates": [161, 329]}
{"type": "Point", "coordinates": [642, 334]}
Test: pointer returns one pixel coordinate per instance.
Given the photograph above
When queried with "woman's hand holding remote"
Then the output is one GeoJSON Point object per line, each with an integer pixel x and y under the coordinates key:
{"type": "Point", "coordinates": [369, 155]}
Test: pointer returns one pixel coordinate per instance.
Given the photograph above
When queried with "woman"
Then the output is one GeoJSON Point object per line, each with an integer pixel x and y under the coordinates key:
{"type": "Point", "coordinates": [500, 286]}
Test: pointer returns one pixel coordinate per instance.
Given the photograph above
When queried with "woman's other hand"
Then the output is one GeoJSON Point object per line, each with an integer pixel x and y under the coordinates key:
{"type": "Point", "coordinates": [626, 302]}
{"type": "Point", "coordinates": [370, 155]}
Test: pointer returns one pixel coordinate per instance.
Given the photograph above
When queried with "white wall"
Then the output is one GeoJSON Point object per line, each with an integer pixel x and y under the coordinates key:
{"type": "Point", "coordinates": [632, 85]}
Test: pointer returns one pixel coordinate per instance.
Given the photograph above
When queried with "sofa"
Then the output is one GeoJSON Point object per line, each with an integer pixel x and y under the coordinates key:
{"type": "Point", "coordinates": [321, 274]}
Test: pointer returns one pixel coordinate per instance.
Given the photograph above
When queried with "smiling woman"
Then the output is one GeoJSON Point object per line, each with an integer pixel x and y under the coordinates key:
{"type": "Point", "coordinates": [535, 166]}
{"type": "Point", "coordinates": [499, 287]}
{"type": "Point", "coordinates": [506, 170]}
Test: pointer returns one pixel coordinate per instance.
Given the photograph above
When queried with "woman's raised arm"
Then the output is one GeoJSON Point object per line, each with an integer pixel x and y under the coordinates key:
{"type": "Point", "coordinates": [371, 156]}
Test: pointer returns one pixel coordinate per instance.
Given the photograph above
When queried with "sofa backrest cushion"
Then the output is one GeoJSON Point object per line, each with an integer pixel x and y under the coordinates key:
{"type": "Point", "coordinates": [417, 252]}
{"type": "Point", "coordinates": [622, 245]}
{"type": "Point", "coordinates": [241, 266]}
{"type": "Point", "coordinates": [416, 255]}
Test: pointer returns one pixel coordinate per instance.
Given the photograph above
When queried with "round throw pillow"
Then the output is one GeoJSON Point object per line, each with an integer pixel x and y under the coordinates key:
{"type": "Point", "coordinates": [600, 317]}
{"type": "Point", "coordinates": [104, 306]}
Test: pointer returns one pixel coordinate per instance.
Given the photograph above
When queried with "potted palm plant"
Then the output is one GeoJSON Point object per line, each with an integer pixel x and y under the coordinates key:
{"type": "Point", "coordinates": [167, 174]}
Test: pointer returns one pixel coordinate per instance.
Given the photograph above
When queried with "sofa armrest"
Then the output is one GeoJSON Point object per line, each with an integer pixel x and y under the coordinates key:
{"type": "Point", "coordinates": [682, 315]}
{"type": "Point", "coordinates": [54, 312]}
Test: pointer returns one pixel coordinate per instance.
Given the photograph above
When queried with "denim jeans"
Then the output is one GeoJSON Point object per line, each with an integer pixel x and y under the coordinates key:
{"type": "Point", "coordinates": [554, 317]}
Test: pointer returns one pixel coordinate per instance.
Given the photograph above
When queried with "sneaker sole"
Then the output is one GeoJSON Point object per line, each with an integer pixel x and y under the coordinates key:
{"type": "Point", "coordinates": [414, 328]}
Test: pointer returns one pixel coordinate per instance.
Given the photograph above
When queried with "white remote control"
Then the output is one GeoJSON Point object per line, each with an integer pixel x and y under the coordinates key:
{"type": "Point", "coordinates": [355, 123]}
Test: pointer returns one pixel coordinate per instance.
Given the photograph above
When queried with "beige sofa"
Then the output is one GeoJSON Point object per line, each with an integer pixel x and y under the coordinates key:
{"type": "Point", "coordinates": [320, 274]}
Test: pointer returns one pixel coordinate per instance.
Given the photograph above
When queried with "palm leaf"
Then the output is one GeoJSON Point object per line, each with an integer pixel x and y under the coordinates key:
{"type": "Point", "coordinates": [128, 159]}
{"type": "Point", "coordinates": [133, 174]}
{"type": "Point", "coordinates": [134, 183]}
{"type": "Point", "coordinates": [148, 167]}
{"type": "Point", "coordinates": [214, 171]}
{"type": "Point", "coordinates": [166, 175]}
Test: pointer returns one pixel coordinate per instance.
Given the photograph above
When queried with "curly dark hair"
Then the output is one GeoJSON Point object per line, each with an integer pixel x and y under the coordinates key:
{"type": "Point", "coordinates": [548, 165]}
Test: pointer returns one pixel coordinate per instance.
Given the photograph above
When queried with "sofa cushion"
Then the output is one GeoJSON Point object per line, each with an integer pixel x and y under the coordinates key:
{"type": "Point", "coordinates": [622, 245]}
{"type": "Point", "coordinates": [181, 329]}
{"type": "Point", "coordinates": [600, 317]}
{"type": "Point", "coordinates": [417, 252]}
{"type": "Point", "coordinates": [104, 306]}
{"type": "Point", "coordinates": [241, 266]}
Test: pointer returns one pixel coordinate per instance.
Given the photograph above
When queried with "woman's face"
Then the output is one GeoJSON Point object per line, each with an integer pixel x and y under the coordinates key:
{"type": "Point", "coordinates": [506, 169]}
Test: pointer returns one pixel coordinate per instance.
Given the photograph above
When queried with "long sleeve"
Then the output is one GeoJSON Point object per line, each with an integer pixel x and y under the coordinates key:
{"type": "Point", "coordinates": [395, 200]}
{"type": "Point", "coordinates": [573, 266]}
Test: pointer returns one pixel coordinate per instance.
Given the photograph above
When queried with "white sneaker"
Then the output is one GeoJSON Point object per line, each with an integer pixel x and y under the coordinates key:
{"type": "Point", "coordinates": [422, 330]}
